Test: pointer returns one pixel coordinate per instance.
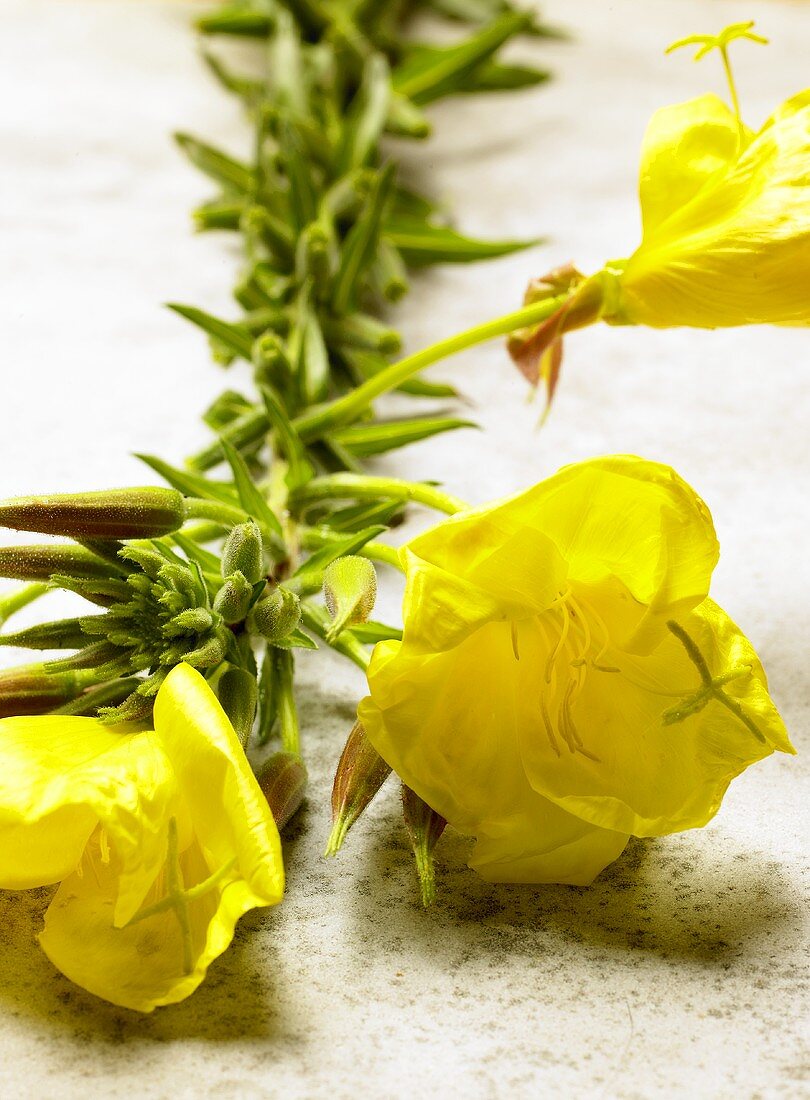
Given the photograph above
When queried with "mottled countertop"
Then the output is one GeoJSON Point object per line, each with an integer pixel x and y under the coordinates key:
{"type": "Point", "coordinates": [682, 971]}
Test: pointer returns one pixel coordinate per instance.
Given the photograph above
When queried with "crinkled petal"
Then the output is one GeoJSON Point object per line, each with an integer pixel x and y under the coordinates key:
{"type": "Point", "coordinates": [143, 964]}
{"type": "Point", "coordinates": [642, 775]}
{"type": "Point", "coordinates": [59, 777]}
{"type": "Point", "coordinates": [739, 252]}
{"type": "Point", "coordinates": [448, 725]}
{"type": "Point", "coordinates": [229, 813]}
{"type": "Point", "coordinates": [686, 147]}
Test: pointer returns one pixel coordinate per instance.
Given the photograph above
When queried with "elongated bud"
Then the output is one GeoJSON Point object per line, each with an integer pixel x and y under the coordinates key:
{"type": "Point", "coordinates": [233, 599]}
{"type": "Point", "coordinates": [361, 771]}
{"type": "Point", "coordinates": [424, 827]}
{"type": "Point", "coordinates": [31, 690]}
{"type": "Point", "coordinates": [110, 514]}
{"type": "Point", "coordinates": [242, 552]}
{"type": "Point", "coordinates": [276, 615]}
{"type": "Point", "coordinates": [270, 360]}
{"type": "Point", "coordinates": [283, 781]}
{"type": "Point", "coordinates": [238, 696]}
{"type": "Point", "coordinates": [40, 562]}
{"type": "Point", "coordinates": [60, 634]}
{"type": "Point", "coordinates": [350, 589]}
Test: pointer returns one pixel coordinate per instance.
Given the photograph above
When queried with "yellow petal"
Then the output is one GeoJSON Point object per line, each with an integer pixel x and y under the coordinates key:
{"type": "Point", "coordinates": [188, 779]}
{"type": "Point", "coordinates": [739, 251]}
{"type": "Point", "coordinates": [686, 147]}
{"type": "Point", "coordinates": [229, 812]}
{"type": "Point", "coordinates": [58, 775]}
{"type": "Point", "coordinates": [642, 775]}
{"type": "Point", "coordinates": [141, 965]}
{"type": "Point", "coordinates": [448, 725]}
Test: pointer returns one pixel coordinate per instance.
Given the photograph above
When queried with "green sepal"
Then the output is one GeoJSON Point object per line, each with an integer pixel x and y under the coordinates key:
{"type": "Point", "coordinates": [296, 639]}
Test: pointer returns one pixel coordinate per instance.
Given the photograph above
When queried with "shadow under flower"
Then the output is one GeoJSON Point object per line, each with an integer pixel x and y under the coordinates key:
{"type": "Point", "coordinates": [670, 897]}
{"type": "Point", "coordinates": [236, 1001]}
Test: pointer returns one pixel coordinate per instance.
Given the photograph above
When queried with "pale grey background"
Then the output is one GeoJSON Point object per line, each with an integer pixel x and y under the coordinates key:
{"type": "Point", "coordinates": [682, 971]}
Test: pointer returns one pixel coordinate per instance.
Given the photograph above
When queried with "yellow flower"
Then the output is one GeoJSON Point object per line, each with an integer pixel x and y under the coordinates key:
{"type": "Point", "coordinates": [726, 234]}
{"type": "Point", "coordinates": [563, 680]}
{"type": "Point", "coordinates": [161, 840]}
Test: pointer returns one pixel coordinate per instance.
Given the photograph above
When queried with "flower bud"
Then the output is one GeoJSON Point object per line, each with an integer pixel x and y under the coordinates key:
{"type": "Point", "coordinates": [29, 689]}
{"type": "Point", "coordinates": [350, 589]}
{"type": "Point", "coordinates": [39, 562]}
{"type": "Point", "coordinates": [233, 599]}
{"type": "Point", "coordinates": [242, 552]}
{"type": "Point", "coordinates": [424, 826]}
{"type": "Point", "coordinates": [60, 634]}
{"type": "Point", "coordinates": [283, 781]}
{"type": "Point", "coordinates": [361, 771]}
{"type": "Point", "coordinates": [110, 514]}
{"type": "Point", "coordinates": [238, 696]}
{"type": "Point", "coordinates": [276, 615]}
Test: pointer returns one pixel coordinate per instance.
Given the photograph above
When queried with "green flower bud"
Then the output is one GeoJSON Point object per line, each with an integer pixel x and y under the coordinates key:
{"type": "Point", "coordinates": [350, 589]}
{"type": "Point", "coordinates": [361, 771]}
{"type": "Point", "coordinates": [424, 826]}
{"type": "Point", "coordinates": [238, 696]}
{"type": "Point", "coordinates": [29, 689]}
{"type": "Point", "coordinates": [38, 563]}
{"type": "Point", "coordinates": [111, 514]}
{"type": "Point", "coordinates": [60, 634]}
{"type": "Point", "coordinates": [276, 615]}
{"type": "Point", "coordinates": [242, 552]}
{"type": "Point", "coordinates": [194, 620]}
{"type": "Point", "coordinates": [233, 599]}
{"type": "Point", "coordinates": [283, 782]}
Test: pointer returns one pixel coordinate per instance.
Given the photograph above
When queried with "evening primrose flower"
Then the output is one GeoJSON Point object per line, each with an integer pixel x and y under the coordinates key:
{"type": "Point", "coordinates": [160, 840]}
{"type": "Point", "coordinates": [564, 681]}
{"type": "Point", "coordinates": [725, 216]}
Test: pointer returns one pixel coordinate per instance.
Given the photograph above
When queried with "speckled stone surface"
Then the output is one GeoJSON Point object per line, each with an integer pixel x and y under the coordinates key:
{"type": "Point", "coordinates": [682, 971]}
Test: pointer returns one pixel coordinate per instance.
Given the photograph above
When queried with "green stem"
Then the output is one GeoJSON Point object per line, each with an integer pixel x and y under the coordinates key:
{"type": "Point", "coordinates": [287, 711]}
{"type": "Point", "coordinates": [365, 487]}
{"type": "Point", "coordinates": [347, 408]}
{"type": "Point", "coordinates": [15, 601]}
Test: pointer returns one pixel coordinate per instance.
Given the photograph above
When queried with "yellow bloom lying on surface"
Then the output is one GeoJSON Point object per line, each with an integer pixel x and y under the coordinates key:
{"type": "Point", "coordinates": [564, 681]}
{"type": "Point", "coordinates": [726, 233]}
{"type": "Point", "coordinates": [161, 840]}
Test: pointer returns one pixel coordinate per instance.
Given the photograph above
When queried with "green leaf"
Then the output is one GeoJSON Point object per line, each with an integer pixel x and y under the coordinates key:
{"type": "Point", "coordinates": [366, 116]}
{"type": "Point", "coordinates": [359, 247]}
{"type": "Point", "coordinates": [207, 561]}
{"type": "Point", "coordinates": [318, 621]}
{"type": "Point", "coordinates": [237, 19]}
{"type": "Point", "coordinates": [301, 193]}
{"type": "Point", "coordinates": [373, 439]}
{"type": "Point", "coordinates": [357, 516]}
{"type": "Point", "coordinates": [369, 633]}
{"type": "Point", "coordinates": [421, 243]}
{"type": "Point", "coordinates": [428, 72]}
{"type": "Point", "coordinates": [191, 485]}
{"type": "Point", "coordinates": [311, 570]}
{"type": "Point", "coordinates": [246, 88]}
{"type": "Point", "coordinates": [493, 77]}
{"type": "Point", "coordinates": [226, 170]}
{"type": "Point", "coordinates": [296, 639]}
{"type": "Point", "coordinates": [300, 469]}
{"type": "Point", "coordinates": [250, 497]}
{"type": "Point", "coordinates": [232, 336]}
